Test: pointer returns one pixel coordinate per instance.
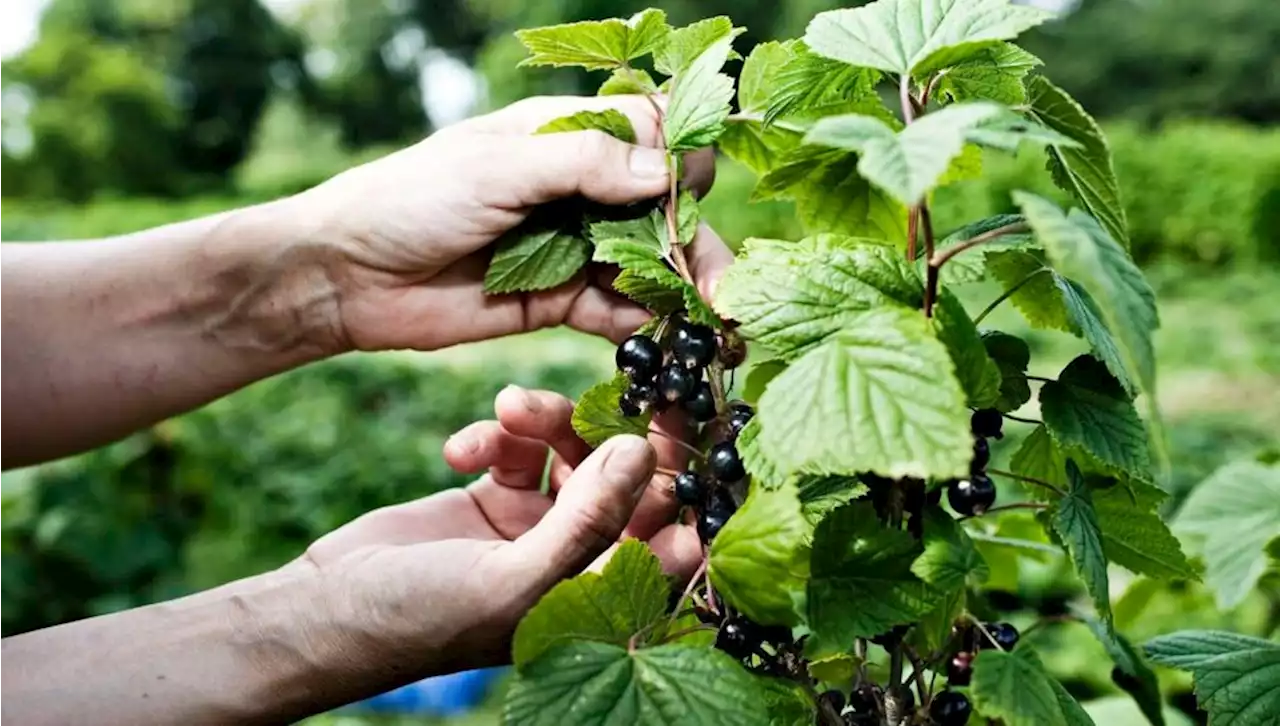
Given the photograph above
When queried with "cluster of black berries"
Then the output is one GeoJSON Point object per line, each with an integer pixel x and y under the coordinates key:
{"type": "Point", "coordinates": [709, 495]}
{"type": "Point", "coordinates": [862, 708]}
{"type": "Point", "coordinates": [660, 380]}
{"type": "Point", "coordinates": [952, 708]}
{"type": "Point", "coordinates": [975, 495]}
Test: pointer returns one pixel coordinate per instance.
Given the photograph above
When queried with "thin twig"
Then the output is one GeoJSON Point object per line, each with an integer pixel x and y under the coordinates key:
{"type": "Point", "coordinates": [1006, 507]}
{"type": "Point", "coordinates": [917, 674]}
{"type": "Point", "coordinates": [688, 590]}
{"type": "Point", "coordinates": [931, 273]}
{"type": "Point", "coordinates": [930, 88]}
{"type": "Point", "coordinates": [1049, 620]}
{"type": "Point", "coordinates": [904, 96]}
{"type": "Point", "coordinates": [1020, 419]}
{"type": "Point", "coordinates": [943, 256]}
{"type": "Point", "coordinates": [1027, 479]}
{"type": "Point", "coordinates": [912, 233]}
{"type": "Point", "coordinates": [679, 442]}
{"type": "Point", "coordinates": [1042, 379]}
{"type": "Point", "coordinates": [1006, 295]}
{"type": "Point", "coordinates": [665, 471]}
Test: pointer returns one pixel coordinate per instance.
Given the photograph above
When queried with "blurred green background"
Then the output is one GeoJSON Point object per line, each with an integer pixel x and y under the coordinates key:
{"type": "Point", "coordinates": [125, 114]}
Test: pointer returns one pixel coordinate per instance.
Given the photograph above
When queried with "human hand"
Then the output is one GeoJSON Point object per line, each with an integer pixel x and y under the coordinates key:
{"type": "Point", "coordinates": [408, 232]}
{"type": "Point", "coordinates": [438, 585]}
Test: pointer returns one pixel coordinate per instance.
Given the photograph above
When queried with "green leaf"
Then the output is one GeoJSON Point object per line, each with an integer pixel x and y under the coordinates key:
{"type": "Point", "coordinates": [880, 396]}
{"type": "Point", "coordinates": [684, 45]}
{"type": "Point", "coordinates": [1012, 356]}
{"type": "Point", "coordinates": [1076, 523]}
{"type": "Point", "coordinates": [822, 495]}
{"type": "Point", "coordinates": [590, 684]}
{"type": "Point", "coordinates": [627, 598]}
{"type": "Point", "coordinates": [761, 469]}
{"type": "Point", "coordinates": [861, 583]}
{"type": "Point", "coordinates": [700, 99]}
{"type": "Point", "coordinates": [1037, 296]}
{"type": "Point", "coordinates": [594, 44]}
{"type": "Point", "coordinates": [1237, 678]}
{"type": "Point", "coordinates": [1014, 688]}
{"type": "Point", "coordinates": [648, 232]}
{"type": "Point", "coordinates": [1089, 414]}
{"type": "Point", "coordinates": [759, 376]}
{"type": "Point", "coordinates": [533, 258]}
{"type": "Point", "coordinates": [758, 147]}
{"type": "Point", "coordinates": [1007, 131]}
{"type": "Point", "coordinates": [1039, 457]}
{"type": "Point", "coordinates": [907, 164]}
{"type": "Point", "coordinates": [596, 417]}
{"type": "Point", "coordinates": [810, 86]}
{"type": "Point", "coordinates": [1133, 534]}
{"type": "Point", "coordinates": [1086, 172]}
{"type": "Point", "coordinates": [1142, 684]}
{"type": "Point", "coordinates": [993, 73]}
{"type": "Point", "coordinates": [611, 121]}
{"type": "Point", "coordinates": [1083, 252]}
{"type": "Point", "coordinates": [657, 297]}
{"type": "Point", "coordinates": [785, 701]}
{"type": "Point", "coordinates": [1229, 519]}
{"type": "Point", "coordinates": [970, 265]}
{"type": "Point", "coordinates": [837, 200]}
{"type": "Point", "coordinates": [950, 558]}
{"type": "Point", "coordinates": [757, 76]}
{"type": "Point", "coordinates": [898, 36]}
{"type": "Point", "coordinates": [1072, 712]}
{"type": "Point", "coordinates": [628, 81]}
{"type": "Point", "coordinates": [978, 374]}
{"type": "Point", "coordinates": [760, 560]}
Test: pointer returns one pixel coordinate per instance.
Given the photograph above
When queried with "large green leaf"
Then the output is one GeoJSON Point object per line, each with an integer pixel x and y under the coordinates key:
{"type": "Point", "coordinates": [700, 99]}
{"type": "Point", "coordinates": [755, 81]}
{"type": "Point", "coordinates": [822, 495]}
{"type": "Point", "coordinates": [978, 374]}
{"type": "Point", "coordinates": [677, 54]}
{"type": "Point", "coordinates": [786, 701]}
{"type": "Point", "coordinates": [810, 86]}
{"type": "Point", "coordinates": [879, 396]}
{"type": "Point", "coordinates": [599, 684]}
{"type": "Point", "coordinates": [660, 298]}
{"type": "Point", "coordinates": [1141, 681]}
{"type": "Point", "coordinates": [595, 44]}
{"type": "Point", "coordinates": [970, 265]}
{"type": "Point", "coordinates": [1014, 688]}
{"type": "Point", "coordinates": [1228, 520]}
{"type": "Point", "coordinates": [1133, 534]}
{"type": "Point", "coordinates": [597, 418]}
{"type": "Point", "coordinates": [1237, 678]}
{"type": "Point", "coordinates": [861, 583]}
{"type": "Point", "coordinates": [1086, 172]}
{"type": "Point", "coordinates": [611, 121]}
{"type": "Point", "coordinates": [760, 560]}
{"type": "Point", "coordinates": [528, 259]}
{"type": "Point", "coordinates": [1082, 251]}
{"type": "Point", "coordinates": [1076, 522]}
{"type": "Point", "coordinates": [993, 73]}
{"type": "Point", "coordinates": [1090, 415]}
{"type": "Point", "coordinates": [1035, 291]}
{"type": "Point", "coordinates": [950, 558]}
{"type": "Point", "coordinates": [835, 198]}
{"type": "Point", "coordinates": [758, 147]}
{"type": "Point", "coordinates": [627, 599]}
{"type": "Point", "coordinates": [906, 36]}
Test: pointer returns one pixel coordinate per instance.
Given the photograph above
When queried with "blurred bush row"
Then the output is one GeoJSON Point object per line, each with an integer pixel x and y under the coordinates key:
{"type": "Point", "coordinates": [1200, 192]}
{"type": "Point", "coordinates": [242, 485]}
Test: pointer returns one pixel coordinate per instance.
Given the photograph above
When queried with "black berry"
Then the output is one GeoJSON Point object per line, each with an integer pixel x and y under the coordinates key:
{"type": "Point", "coordinates": [863, 708]}
{"type": "Point", "coordinates": [675, 383]}
{"type": "Point", "coordinates": [834, 698]}
{"type": "Point", "coordinates": [987, 422]}
{"type": "Point", "coordinates": [734, 640]}
{"type": "Point", "coordinates": [1003, 635]}
{"type": "Point", "coordinates": [701, 406]}
{"type": "Point", "coordinates": [690, 489]}
{"type": "Point", "coordinates": [629, 408]}
{"type": "Point", "coordinates": [706, 617]}
{"type": "Point", "coordinates": [693, 346]}
{"type": "Point", "coordinates": [934, 496]}
{"type": "Point", "coordinates": [960, 669]}
{"type": "Point", "coordinates": [741, 407]}
{"type": "Point", "coordinates": [639, 357]}
{"type": "Point", "coordinates": [738, 421]}
{"type": "Point", "coordinates": [972, 496]}
{"type": "Point", "coordinates": [725, 464]}
{"type": "Point", "coordinates": [732, 349]}
{"type": "Point", "coordinates": [981, 455]}
{"type": "Point", "coordinates": [950, 709]}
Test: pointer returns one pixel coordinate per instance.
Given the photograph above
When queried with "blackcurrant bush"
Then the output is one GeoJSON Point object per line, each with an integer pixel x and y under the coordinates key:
{"type": "Point", "coordinates": [987, 422]}
{"type": "Point", "coordinates": [690, 489]}
{"type": "Point", "coordinates": [981, 455]}
{"type": "Point", "coordinates": [972, 496]}
{"type": "Point", "coordinates": [701, 406]}
{"type": "Point", "coordinates": [639, 357]}
{"type": "Point", "coordinates": [732, 349]}
{"type": "Point", "coordinates": [734, 640]}
{"type": "Point", "coordinates": [950, 709]}
{"type": "Point", "coordinates": [960, 669]}
{"type": "Point", "coordinates": [676, 384]}
{"type": "Point", "coordinates": [693, 345]}
{"type": "Point", "coordinates": [833, 698]}
{"type": "Point", "coordinates": [725, 464]}
{"type": "Point", "coordinates": [1003, 635]}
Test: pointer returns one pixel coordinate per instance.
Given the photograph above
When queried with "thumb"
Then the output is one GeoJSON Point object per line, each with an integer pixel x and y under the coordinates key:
{"type": "Point", "coordinates": [593, 164]}
{"type": "Point", "coordinates": [590, 512]}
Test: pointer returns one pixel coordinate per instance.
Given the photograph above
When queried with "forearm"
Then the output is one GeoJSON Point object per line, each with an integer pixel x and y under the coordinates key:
{"type": "Point", "coordinates": [268, 649]}
{"type": "Point", "coordinates": [104, 337]}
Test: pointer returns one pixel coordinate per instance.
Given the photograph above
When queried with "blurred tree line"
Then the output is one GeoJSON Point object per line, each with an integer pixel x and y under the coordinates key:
{"type": "Point", "coordinates": [164, 97]}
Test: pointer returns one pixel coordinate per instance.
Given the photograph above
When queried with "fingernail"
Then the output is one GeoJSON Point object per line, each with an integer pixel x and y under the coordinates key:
{"type": "Point", "coordinates": [648, 163]}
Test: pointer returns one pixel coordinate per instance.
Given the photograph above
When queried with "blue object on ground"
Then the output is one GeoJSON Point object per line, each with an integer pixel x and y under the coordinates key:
{"type": "Point", "coordinates": [448, 695]}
